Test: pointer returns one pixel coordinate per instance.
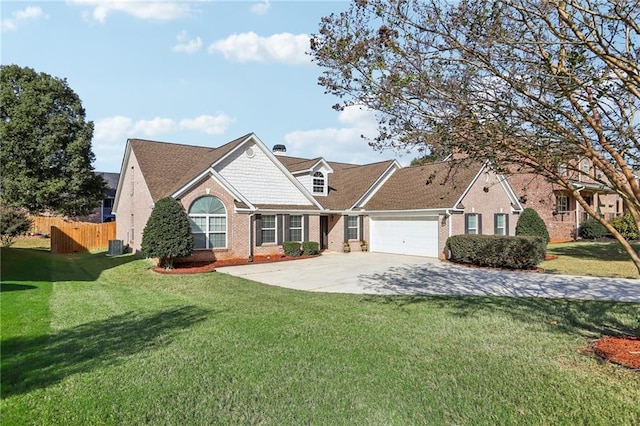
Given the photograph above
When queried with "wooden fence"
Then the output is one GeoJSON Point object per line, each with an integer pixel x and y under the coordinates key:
{"type": "Point", "coordinates": [43, 224]}
{"type": "Point", "coordinates": [82, 237]}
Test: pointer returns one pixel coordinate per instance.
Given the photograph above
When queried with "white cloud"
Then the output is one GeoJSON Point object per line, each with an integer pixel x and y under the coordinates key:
{"type": "Point", "coordinates": [261, 8]}
{"type": "Point", "coordinates": [155, 127]}
{"type": "Point", "coordinates": [19, 16]}
{"type": "Point", "coordinates": [209, 124]}
{"type": "Point", "coordinates": [246, 47]}
{"type": "Point", "coordinates": [344, 144]}
{"type": "Point", "coordinates": [185, 45]}
{"type": "Point", "coordinates": [112, 129]}
{"type": "Point", "coordinates": [147, 10]}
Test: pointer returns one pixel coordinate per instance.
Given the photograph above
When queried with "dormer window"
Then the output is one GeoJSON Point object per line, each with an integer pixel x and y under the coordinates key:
{"type": "Point", "coordinates": [318, 183]}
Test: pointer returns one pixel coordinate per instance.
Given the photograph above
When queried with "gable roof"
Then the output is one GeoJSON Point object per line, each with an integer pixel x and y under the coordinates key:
{"type": "Point", "coordinates": [167, 167]}
{"type": "Point", "coordinates": [432, 186]}
{"type": "Point", "coordinates": [348, 182]}
{"type": "Point", "coordinates": [111, 179]}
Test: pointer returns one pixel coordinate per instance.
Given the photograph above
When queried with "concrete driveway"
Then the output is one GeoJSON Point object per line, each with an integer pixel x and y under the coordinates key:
{"type": "Point", "coordinates": [389, 274]}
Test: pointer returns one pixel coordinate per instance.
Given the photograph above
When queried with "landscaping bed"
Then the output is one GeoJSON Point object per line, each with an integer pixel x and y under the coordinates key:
{"type": "Point", "coordinates": [204, 267]}
{"type": "Point", "coordinates": [619, 350]}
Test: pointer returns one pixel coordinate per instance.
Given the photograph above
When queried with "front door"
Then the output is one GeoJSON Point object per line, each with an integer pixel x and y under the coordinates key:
{"type": "Point", "coordinates": [324, 232]}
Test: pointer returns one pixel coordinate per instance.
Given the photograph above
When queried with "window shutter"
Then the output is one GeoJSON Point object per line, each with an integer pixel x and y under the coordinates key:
{"type": "Point", "coordinates": [466, 223]}
{"type": "Point", "coordinates": [479, 224]}
{"type": "Point", "coordinates": [258, 230]}
{"type": "Point", "coordinates": [361, 227]}
{"type": "Point", "coordinates": [305, 226]}
{"type": "Point", "coordinates": [506, 224]}
{"type": "Point", "coordinates": [346, 229]}
{"type": "Point", "coordinates": [495, 223]}
{"type": "Point", "coordinates": [287, 227]}
{"type": "Point", "coordinates": [279, 229]}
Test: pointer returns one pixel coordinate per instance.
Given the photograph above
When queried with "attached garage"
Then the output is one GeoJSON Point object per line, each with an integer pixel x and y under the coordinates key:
{"type": "Point", "coordinates": [416, 236]}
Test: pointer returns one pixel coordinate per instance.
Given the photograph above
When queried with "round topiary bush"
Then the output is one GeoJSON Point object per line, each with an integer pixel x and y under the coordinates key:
{"type": "Point", "coordinates": [530, 223]}
{"type": "Point", "coordinates": [592, 229]}
{"type": "Point", "coordinates": [167, 234]}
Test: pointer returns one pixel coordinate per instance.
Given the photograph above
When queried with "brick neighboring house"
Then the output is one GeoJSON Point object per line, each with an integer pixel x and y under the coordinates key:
{"type": "Point", "coordinates": [243, 200]}
{"type": "Point", "coordinates": [558, 208]}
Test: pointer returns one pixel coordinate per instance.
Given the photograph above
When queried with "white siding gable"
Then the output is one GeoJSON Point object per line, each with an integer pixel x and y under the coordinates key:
{"type": "Point", "coordinates": [258, 178]}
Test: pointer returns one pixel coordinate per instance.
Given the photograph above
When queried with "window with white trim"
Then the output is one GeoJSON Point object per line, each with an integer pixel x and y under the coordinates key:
{"type": "Point", "coordinates": [562, 203]}
{"type": "Point", "coordinates": [295, 227]}
{"type": "Point", "coordinates": [586, 166]}
{"type": "Point", "coordinates": [208, 220]}
{"type": "Point", "coordinates": [268, 229]}
{"type": "Point", "coordinates": [318, 183]}
{"type": "Point", "coordinates": [353, 223]}
{"type": "Point", "coordinates": [500, 224]}
{"type": "Point", "coordinates": [472, 223]}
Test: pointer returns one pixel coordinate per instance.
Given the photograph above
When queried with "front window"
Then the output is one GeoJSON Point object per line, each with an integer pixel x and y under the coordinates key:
{"type": "Point", "coordinates": [295, 228]}
{"type": "Point", "coordinates": [562, 203]}
{"type": "Point", "coordinates": [208, 219]}
{"type": "Point", "coordinates": [318, 183]}
{"type": "Point", "coordinates": [500, 224]}
{"type": "Point", "coordinates": [268, 229]}
{"type": "Point", "coordinates": [352, 227]}
{"type": "Point", "coordinates": [472, 224]}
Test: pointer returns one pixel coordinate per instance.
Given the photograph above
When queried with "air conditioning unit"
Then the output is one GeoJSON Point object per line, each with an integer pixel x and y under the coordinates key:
{"type": "Point", "coordinates": [116, 247]}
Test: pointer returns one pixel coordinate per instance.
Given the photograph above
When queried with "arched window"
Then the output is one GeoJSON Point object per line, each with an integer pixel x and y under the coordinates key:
{"type": "Point", "coordinates": [208, 219]}
{"type": "Point", "coordinates": [318, 182]}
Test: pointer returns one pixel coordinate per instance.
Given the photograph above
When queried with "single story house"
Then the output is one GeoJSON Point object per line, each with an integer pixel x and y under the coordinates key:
{"type": "Point", "coordinates": [244, 199]}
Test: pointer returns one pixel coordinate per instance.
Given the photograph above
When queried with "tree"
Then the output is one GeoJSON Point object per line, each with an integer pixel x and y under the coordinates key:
{"type": "Point", "coordinates": [532, 86]}
{"type": "Point", "coordinates": [530, 223]}
{"type": "Point", "coordinates": [12, 223]}
{"type": "Point", "coordinates": [46, 151]}
{"type": "Point", "coordinates": [167, 234]}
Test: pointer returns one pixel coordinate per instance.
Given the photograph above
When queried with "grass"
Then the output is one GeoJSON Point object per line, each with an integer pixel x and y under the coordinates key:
{"type": "Point", "coordinates": [599, 259]}
{"type": "Point", "coordinates": [91, 339]}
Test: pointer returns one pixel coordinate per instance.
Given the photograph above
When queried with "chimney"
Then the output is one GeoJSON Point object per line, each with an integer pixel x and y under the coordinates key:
{"type": "Point", "coordinates": [279, 149]}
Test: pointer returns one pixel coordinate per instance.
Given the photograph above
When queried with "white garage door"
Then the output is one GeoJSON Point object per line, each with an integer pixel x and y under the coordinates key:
{"type": "Point", "coordinates": [416, 236]}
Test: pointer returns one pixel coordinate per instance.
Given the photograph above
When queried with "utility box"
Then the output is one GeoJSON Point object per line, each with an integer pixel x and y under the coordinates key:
{"type": "Point", "coordinates": [116, 247]}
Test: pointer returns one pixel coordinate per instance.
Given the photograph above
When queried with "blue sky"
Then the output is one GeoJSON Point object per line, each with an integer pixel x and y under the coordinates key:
{"type": "Point", "coordinates": [201, 73]}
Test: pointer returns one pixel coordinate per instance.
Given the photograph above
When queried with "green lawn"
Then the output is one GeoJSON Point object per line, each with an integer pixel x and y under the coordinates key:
{"type": "Point", "coordinates": [598, 259]}
{"type": "Point", "coordinates": [89, 339]}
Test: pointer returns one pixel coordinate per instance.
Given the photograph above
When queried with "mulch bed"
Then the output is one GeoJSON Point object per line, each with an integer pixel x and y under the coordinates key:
{"type": "Point", "coordinates": [619, 350]}
{"type": "Point", "coordinates": [203, 267]}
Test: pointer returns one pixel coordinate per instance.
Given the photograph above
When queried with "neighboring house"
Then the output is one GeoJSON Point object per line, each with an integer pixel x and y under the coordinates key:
{"type": "Point", "coordinates": [103, 213]}
{"type": "Point", "coordinates": [244, 200]}
{"type": "Point", "coordinates": [559, 209]}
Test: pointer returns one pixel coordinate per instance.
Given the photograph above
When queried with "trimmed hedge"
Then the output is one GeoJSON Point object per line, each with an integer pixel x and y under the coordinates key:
{"type": "Point", "coordinates": [592, 229]}
{"type": "Point", "coordinates": [292, 248]}
{"type": "Point", "coordinates": [497, 251]}
{"type": "Point", "coordinates": [310, 248]}
{"type": "Point", "coordinates": [626, 226]}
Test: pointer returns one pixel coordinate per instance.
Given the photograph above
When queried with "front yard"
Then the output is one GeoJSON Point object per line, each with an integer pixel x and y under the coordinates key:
{"type": "Point", "coordinates": [89, 339]}
{"type": "Point", "coordinates": [598, 259]}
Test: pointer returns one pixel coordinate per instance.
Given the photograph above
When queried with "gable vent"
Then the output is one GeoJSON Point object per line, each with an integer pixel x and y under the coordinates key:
{"type": "Point", "coordinates": [279, 149]}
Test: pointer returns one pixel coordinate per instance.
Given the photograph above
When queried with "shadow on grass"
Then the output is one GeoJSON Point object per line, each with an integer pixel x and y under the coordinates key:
{"type": "Point", "coordinates": [16, 287]}
{"type": "Point", "coordinates": [590, 319]}
{"type": "Point", "coordinates": [34, 362]}
{"type": "Point", "coordinates": [593, 250]}
{"type": "Point", "coordinates": [32, 265]}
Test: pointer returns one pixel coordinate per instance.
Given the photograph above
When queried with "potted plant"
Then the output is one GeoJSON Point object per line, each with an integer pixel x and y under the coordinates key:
{"type": "Point", "coordinates": [346, 247]}
{"type": "Point", "coordinates": [364, 246]}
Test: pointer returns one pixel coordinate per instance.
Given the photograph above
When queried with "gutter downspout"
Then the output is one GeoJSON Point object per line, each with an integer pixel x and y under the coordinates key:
{"type": "Point", "coordinates": [251, 237]}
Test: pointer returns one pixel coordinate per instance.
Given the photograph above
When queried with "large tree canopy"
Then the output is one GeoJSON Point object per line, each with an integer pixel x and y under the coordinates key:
{"type": "Point", "coordinates": [46, 151]}
{"type": "Point", "coordinates": [529, 85]}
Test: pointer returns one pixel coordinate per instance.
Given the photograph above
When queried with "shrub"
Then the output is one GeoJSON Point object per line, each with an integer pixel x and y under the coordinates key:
{"type": "Point", "coordinates": [531, 224]}
{"type": "Point", "coordinates": [167, 234]}
{"type": "Point", "coordinates": [626, 226]}
{"type": "Point", "coordinates": [592, 229]}
{"type": "Point", "coordinates": [292, 248]}
{"type": "Point", "coordinates": [12, 223]}
{"type": "Point", "coordinates": [310, 248]}
{"type": "Point", "coordinates": [498, 251]}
